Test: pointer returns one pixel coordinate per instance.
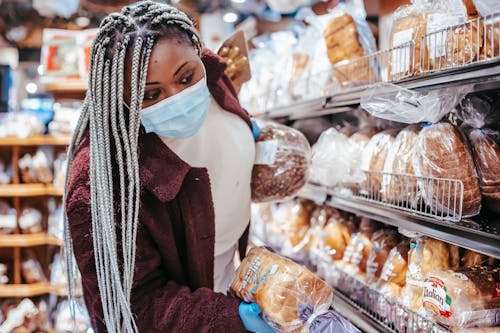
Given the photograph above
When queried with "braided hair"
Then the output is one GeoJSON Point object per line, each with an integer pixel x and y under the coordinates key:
{"type": "Point", "coordinates": [114, 131]}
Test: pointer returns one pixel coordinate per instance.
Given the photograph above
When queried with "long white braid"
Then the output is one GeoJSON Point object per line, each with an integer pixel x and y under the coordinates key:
{"type": "Point", "coordinates": [114, 141]}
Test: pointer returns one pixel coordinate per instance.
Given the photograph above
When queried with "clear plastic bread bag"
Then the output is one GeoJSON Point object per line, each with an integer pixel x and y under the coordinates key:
{"type": "Point", "coordinates": [276, 228]}
{"type": "Point", "coordinates": [384, 241]}
{"type": "Point", "coordinates": [298, 233]}
{"type": "Point", "coordinates": [448, 179]}
{"type": "Point", "coordinates": [290, 296]}
{"type": "Point", "coordinates": [335, 160]}
{"type": "Point", "coordinates": [468, 297]}
{"type": "Point", "coordinates": [282, 160]}
{"type": "Point", "coordinates": [66, 321]}
{"type": "Point", "coordinates": [30, 221]}
{"type": "Point", "coordinates": [332, 322]}
{"type": "Point", "coordinates": [399, 185]}
{"type": "Point", "coordinates": [392, 102]}
{"type": "Point", "coordinates": [479, 109]}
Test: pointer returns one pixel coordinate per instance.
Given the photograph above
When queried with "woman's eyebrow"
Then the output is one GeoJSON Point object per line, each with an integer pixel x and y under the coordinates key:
{"type": "Point", "coordinates": [150, 83]}
{"type": "Point", "coordinates": [180, 68]}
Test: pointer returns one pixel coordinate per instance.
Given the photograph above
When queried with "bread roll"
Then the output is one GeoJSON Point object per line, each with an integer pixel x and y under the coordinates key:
{"type": "Point", "coordinates": [373, 159]}
{"type": "Point", "coordinates": [284, 290]}
{"type": "Point", "coordinates": [400, 189]}
{"type": "Point", "coordinates": [460, 298]}
{"type": "Point", "coordinates": [486, 150]}
{"type": "Point", "coordinates": [441, 153]}
{"type": "Point", "coordinates": [383, 242]}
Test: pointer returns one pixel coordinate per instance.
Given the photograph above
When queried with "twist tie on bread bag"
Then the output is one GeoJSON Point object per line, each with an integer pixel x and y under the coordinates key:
{"type": "Point", "coordinates": [391, 102]}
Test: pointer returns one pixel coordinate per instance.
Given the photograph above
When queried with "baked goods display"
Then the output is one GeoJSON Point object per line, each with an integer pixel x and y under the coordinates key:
{"type": "Point", "coordinates": [298, 232]}
{"type": "Point", "coordinates": [394, 271]}
{"type": "Point", "coordinates": [441, 153]}
{"type": "Point", "coordinates": [467, 297]}
{"type": "Point", "coordinates": [373, 159]}
{"type": "Point", "coordinates": [36, 168]}
{"type": "Point", "coordinates": [399, 187]}
{"type": "Point", "coordinates": [287, 293]}
{"type": "Point", "coordinates": [8, 217]}
{"type": "Point", "coordinates": [31, 268]}
{"type": "Point", "coordinates": [486, 150]}
{"type": "Point", "coordinates": [30, 221]}
{"type": "Point", "coordinates": [281, 163]}
{"type": "Point", "coordinates": [384, 241]}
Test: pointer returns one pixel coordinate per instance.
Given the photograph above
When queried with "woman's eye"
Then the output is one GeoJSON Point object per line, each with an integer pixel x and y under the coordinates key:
{"type": "Point", "coordinates": [151, 95]}
{"type": "Point", "coordinates": [186, 79]}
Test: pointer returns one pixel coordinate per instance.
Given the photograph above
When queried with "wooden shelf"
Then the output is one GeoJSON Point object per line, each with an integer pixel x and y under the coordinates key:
{"type": "Point", "coordinates": [24, 290]}
{"type": "Point", "coordinates": [29, 240]}
{"type": "Point", "coordinates": [37, 140]}
{"type": "Point", "coordinates": [29, 190]}
{"type": "Point", "coordinates": [66, 86]}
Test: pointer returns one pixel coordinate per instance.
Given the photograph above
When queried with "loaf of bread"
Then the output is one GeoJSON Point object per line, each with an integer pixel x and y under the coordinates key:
{"type": "Point", "coordinates": [491, 48]}
{"type": "Point", "coordinates": [409, 25]}
{"type": "Point", "coordinates": [298, 234]}
{"type": "Point", "coordinates": [373, 159]}
{"type": "Point", "coordinates": [486, 150]}
{"type": "Point", "coordinates": [384, 241]}
{"type": "Point", "coordinates": [477, 330]}
{"type": "Point", "coordinates": [335, 237]}
{"type": "Point", "coordinates": [464, 44]}
{"type": "Point", "coordinates": [425, 255]}
{"type": "Point", "coordinates": [468, 297]}
{"type": "Point", "coordinates": [287, 293]}
{"type": "Point", "coordinates": [441, 153]}
{"type": "Point", "coordinates": [359, 248]}
{"type": "Point", "coordinates": [281, 163]}
{"type": "Point", "coordinates": [400, 188]}
{"type": "Point", "coordinates": [361, 138]}
{"type": "Point", "coordinates": [396, 265]}
{"type": "Point", "coordinates": [472, 258]}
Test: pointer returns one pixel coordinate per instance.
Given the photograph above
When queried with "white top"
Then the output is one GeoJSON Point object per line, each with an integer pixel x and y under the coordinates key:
{"type": "Point", "coordinates": [225, 146]}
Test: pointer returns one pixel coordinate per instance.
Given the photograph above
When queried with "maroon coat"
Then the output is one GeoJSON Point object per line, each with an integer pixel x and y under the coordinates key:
{"type": "Point", "coordinates": [176, 235]}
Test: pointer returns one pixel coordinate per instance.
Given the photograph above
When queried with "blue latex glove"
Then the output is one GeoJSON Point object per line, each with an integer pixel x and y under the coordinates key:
{"type": "Point", "coordinates": [253, 322]}
{"type": "Point", "coordinates": [255, 128]}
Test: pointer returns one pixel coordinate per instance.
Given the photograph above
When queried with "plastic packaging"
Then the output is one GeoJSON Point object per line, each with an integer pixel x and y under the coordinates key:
{"type": "Point", "coordinates": [332, 322]}
{"type": "Point", "coordinates": [335, 160]}
{"type": "Point", "coordinates": [20, 124]}
{"type": "Point", "coordinates": [441, 153]}
{"type": "Point", "coordinates": [55, 220]}
{"type": "Point", "coordinates": [8, 218]}
{"type": "Point", "coordinates": [478, 109]}
{"type": "Point", "coordinates": [290, 296]}
{"type": "Point", "coordinates": [486, 150]}
{"type": "Point", "coordinates": [30, 221]}
{"type": "Point", "coordinates": [392, 102]}
{"type": "Point", "coordinates": [64, 321]}
{"type": "Point", "coordinates": [298, 234]}
{"type": "Point", "coordinates": [399, 188]}
{"type": "Point", "coordinates": [31, 268]}
{"type": "Point", "coordinates": [282, 160]}
{"type": "Point", "coordinates": [373, 159]}
{"type": "Point", "coordinates": [395, 267]}
{"type": "Point", "coordinates": [468, 297]}
{"type": "Point", "coordinates": [4, 279]}
{"type": "Point", "coordinates": [425, 255]}
{"type": "Point", "coordinates": [5, 171]}
{"type": "Point", "coordinates": [276, 227]}
{"type": "Point", "coordinates": [384, 241]}
{"type": "Point", "coordinates": [471, 258]}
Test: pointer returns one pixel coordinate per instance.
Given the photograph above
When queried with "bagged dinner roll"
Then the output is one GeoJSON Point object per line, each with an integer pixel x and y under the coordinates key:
{"type": "Point", "coordinates": [290, 296]}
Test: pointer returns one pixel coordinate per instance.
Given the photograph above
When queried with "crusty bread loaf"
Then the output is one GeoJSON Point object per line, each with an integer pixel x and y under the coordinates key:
{"type": "Point", "coordinates": [373, 159]}
{"type": "Point", "coordinates": [281, 288]}
{"type": "Point", "coordinates": [463, 44]}
{"type": "Point", "coordinates": [486, 149]}
{"type": "Point", "coordinates": [399, 188]}
{"type": "Point", "coordinates": [455, 297]}
{"type": "Point", "coordinates": [384, 241]}
{"type": "Point", "coordinates": [441, 153]}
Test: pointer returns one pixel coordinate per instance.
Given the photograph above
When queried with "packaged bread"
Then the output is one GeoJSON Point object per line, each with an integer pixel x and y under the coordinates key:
{"type": "Point", "coordinates": [426, 254]}
{"type": "Point", "coordinates": [464, 43]}
{"type": "Point", "coordinates": [373, 159]}
{"type": "Point", "coordinates": [8, 218]}
{"type": "Point", "coordinates": [276, 228]}
{"type": "Point", "coordinates": [287, 293]}
{"type": "Point", "coordinates": [486, 149]}
{"type": "Point", "coordinates": [408, 29]}
{"type": "Point", "coordinates": [479, 109]}
{"type": "Point", "coordinates": [298, 233]}
{"type": "Point", "coordinates": [384, 241]}
{"type": "Point", "coordinates": [477, 330]}
{"type": "Point", "coordinates": [471, 258]}
{"type": "Point", "coordinates": [282, 159]}
{"type": "Point", "coordinates": [468, 297]}
{"type": "Point", "coordinates": [361, 138]}
{"type": "Point", "coordinates": [396, 266]}
{"type": "Point", "coordinates": [440, 152]}
{"type": "Point", "coordinates": [400, 188]}
{"type": "Point", "coordinates": [31, 268]}
{"type": "Point", "coordinates": [491, 48]}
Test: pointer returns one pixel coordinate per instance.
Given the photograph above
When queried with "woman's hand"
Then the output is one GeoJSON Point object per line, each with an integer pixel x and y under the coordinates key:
{"type": "Point", "coordinates": [253, 322]}
{"type": "Point", "coordinates": [255, 128]}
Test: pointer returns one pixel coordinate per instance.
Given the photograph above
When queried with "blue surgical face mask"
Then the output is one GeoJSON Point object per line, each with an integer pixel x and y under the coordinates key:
{"type": "Point", "coordinates": [179, 116]}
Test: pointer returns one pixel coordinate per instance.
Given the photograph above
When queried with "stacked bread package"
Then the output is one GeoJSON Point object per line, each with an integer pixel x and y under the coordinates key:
{"type": "Point", "coordinates": [373, 159]}
{"type": "Point", "coordinates": [441, 153]}
{"type": "Point", "coordinates": [400, 188]}
{"type": "Point", "coordinates": [288, 294]}
{"type": "Point", "coordinates": [349, 37]}
{"type": "Point", "coordinates": [425, 255]}
{"type": "Point", "coordinates": [468, 297]}
{"type": "Point", "coordinates": [282, 157]}
{"type": "Point", "coordinates": [384, 241]}
{"type": "Point", "coordinates": [298, 232]}
{"type": "Point", "coordinates": [486, 149]}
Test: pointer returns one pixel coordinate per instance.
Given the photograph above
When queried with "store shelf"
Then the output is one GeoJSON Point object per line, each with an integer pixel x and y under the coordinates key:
{"type": "Point", "coordinates": [29, 190]}
{"type": "Point", "coordinates": [24, 290]}
{"type": "Point", "coordinates": [67, 86]}
{"type": "Point", "coordinates": [481, 76]}
{"type": "Point", "coordinates": [37, 140]}
{"type": "Point", "coordinates": [29, 240]}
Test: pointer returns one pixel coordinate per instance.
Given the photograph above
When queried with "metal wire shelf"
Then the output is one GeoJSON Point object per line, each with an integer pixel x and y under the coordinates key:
{"type": "Point", "coordinates": [437, 198]}
{"type": "Point", "coordinates": [473, 42]}
{"type": "Point", "coordinates": [384, 309]}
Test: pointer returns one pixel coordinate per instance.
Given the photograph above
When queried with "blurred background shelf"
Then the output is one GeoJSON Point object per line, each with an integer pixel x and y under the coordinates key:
{"type": "Point", "coordinates": [29, 190]}
{"type": "Point", "coordinates": [24, 290]}
{"type": "Point", "coordinates": [29, 240]}
{"type": "Point", "coordinates": [38, 140]}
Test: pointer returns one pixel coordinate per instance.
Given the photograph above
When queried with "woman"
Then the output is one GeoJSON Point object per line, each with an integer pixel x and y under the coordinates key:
{"type": "Point", "coordinates": [158, 188]}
